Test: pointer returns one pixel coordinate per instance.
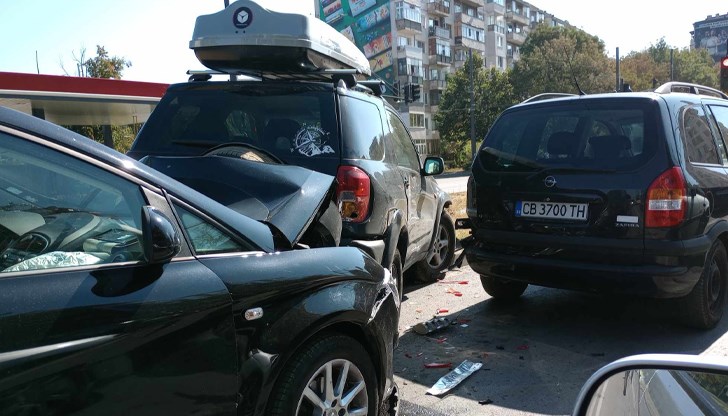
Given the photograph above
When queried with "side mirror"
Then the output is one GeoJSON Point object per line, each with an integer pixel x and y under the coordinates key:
{"type": "Point", "coordinates": [160, 240]}
{"type": "Point", "coordinates": [657, 384]}
{"type": "Point", "coordinates": [433, 165]}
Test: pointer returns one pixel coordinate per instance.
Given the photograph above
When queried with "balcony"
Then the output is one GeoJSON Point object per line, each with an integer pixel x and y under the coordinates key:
{"type": "Point", "coordinates": [409, 27]}
{"type": "Point", "coordinates": [440, 59]}
{"type": "Point", "coordinates": [438, 8]}
{"type": "Point", "coordinates": [469, 43]}
{"type": "Point", "coordinates": [474, 3]}
{"type": "Point", "coordinates": [517, 18]}
{"type": "Point", "coordinates": [436, 84]}
{"type": "Point", "coordinates": [496, 29]}
{"type": "Point", "coordinates": [439, 32]}
{"type": "Point", "coordinates": [516, 38]}
{"type": "Point", "coordinates": [469, 20]}
{"type": "Point", "coordinates": [515, 55]}
{"type": "Point", "coordinates": [409, 52]}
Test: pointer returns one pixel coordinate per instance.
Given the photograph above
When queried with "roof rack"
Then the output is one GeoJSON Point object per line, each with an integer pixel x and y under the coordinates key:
{"type": "Point", "coordinates": [689, 88]}
{"type": "Point", "coordinates": [547, 96]}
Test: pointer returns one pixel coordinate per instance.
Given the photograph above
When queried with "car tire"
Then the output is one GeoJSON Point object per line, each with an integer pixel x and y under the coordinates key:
{"type": "Point", "coordinates": [396, 269]}
{"type": "Point", "coordinates": [304, 382]}
{"type": "Point", "coordinates": [703, 307]}
{"type": "Point", "coordinates": [439, 260]}
{"type": "Point", "coordinates": [501, 289]}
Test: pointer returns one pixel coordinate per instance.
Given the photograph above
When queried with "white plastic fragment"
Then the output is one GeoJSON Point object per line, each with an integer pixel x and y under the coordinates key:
{"type": "Point", "coordinates": [454, 377]}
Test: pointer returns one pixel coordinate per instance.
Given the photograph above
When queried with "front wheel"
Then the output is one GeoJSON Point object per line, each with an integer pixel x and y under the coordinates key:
{"type": "Point", "coordinates": [331, 376]}
{"type": "Point", "coordinates": [703, 307]}
{"type": "Point", "coordinates": [440, 256]}
{"type": "Point", "coordinates": [501, 289]}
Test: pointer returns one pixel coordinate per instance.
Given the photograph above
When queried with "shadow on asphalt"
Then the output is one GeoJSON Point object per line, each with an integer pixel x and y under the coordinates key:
{"type": "Point", "coordinates": [538, 351]}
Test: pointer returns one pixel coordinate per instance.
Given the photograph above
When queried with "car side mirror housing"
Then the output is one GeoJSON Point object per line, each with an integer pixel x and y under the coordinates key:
{"type": "Point", "coordinates": [433, 165]}
{"type": "Point", "coordinates": [160, 239]}
{"type": "Point", "coordinates": [657, 384]}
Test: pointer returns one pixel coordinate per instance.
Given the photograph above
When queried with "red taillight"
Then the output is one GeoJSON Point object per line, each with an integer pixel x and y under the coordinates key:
{"type": "Point", "coordinates": [353, 193]}
{"type": "Point", "coordinates": [666, 200]}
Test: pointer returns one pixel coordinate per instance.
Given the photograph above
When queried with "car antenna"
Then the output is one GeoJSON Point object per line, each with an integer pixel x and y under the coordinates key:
{"type": "Point", "coordinates": [573, 75]}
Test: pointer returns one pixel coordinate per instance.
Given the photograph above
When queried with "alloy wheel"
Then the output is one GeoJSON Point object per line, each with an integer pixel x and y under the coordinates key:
{"type": "Point", "coordinates": [337, 388]}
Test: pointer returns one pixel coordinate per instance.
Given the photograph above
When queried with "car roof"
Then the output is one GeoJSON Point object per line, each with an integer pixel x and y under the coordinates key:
{"type": "Point", "coordinates": [75, 142]}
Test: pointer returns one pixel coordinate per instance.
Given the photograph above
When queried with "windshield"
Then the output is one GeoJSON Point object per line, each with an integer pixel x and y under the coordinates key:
{"type": "Point", "coordinates": [296, 123]}
{"type": "Point", "coordinates": [613, 136]}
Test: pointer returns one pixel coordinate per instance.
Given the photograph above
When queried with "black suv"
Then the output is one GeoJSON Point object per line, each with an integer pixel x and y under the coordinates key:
{"type": "Point", "coordinates": [621, 192]}
{"type": "Point", "coordinates": [391, 206]}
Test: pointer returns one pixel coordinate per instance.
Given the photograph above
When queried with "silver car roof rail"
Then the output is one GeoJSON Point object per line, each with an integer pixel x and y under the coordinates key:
{"type": "Point", "coordinates": [547, 96]}
{"type": "Point", "coordinates": [686, 87]}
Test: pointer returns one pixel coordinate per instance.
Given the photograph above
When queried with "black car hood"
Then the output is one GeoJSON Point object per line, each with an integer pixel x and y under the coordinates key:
{"type": "Point", "coordinates": [286, 197]}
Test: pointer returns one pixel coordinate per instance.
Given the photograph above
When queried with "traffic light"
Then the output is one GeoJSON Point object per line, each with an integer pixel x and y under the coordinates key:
{"type": "Point", "coordinates": [415, 94]}
{"type": "Point", "coordinates": [406, 93]}
{"type": "Point", "coordinates": [724, 74]}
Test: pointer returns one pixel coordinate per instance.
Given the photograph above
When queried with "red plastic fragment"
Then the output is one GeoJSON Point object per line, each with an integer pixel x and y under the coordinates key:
{"type": "Point", "coordinates": [522, 347]}
{"type": "Point", "coordinates": [438, 365]}
{"type": "Point", "coordinates": [442, 310]}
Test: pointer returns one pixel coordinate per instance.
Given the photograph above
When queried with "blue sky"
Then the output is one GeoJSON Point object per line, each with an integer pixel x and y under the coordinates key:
{"type": "Point", "coordinates": [154, 34]}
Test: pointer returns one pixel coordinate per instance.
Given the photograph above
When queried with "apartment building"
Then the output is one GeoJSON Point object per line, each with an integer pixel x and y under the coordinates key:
{"type": "Point", "coordinates": [712, 34]}
{"type": "Point", "coordinates": [424, 41]}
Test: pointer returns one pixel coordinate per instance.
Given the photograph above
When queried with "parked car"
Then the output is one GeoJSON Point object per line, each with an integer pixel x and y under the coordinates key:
{"type": "Point", "coordinates": [124, 291]}
{"type": "Point", "coordinates": [618, 192]}
{"type": "Point", "coordinates": [295, 114]}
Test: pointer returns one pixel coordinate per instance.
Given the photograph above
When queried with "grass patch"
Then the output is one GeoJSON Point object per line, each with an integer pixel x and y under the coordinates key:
{"type": "Point", "coordinates": [457, 210]}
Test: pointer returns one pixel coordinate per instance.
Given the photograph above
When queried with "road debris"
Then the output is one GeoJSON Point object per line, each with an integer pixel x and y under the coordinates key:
{"type": "Point", "coordinates": [438, 365]}
{"type": "Point", "coordinates": [522, 347]}
{"type": "Point", "coordinates": [432, 325]}
{"type": "Point", "coordinates": [486, 401]}
{"type": "Point", "coordinates": [454, 377]}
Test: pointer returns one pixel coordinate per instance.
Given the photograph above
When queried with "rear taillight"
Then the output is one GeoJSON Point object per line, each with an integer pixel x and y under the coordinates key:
{"type": "Point", "coordinates": [353, 193]}
{"type": "Point", "coordinates": [666, 200]}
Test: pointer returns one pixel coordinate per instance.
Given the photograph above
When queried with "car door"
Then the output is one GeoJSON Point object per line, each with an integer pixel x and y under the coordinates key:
{"type": "Point", "coordinates": [87, 326]}
{"type": "Point", "coordinates": [421, 203]}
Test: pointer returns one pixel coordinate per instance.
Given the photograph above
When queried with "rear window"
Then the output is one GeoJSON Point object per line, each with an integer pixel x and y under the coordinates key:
{"type": "Point", "coordinates": [610, 135]}
{"type": "Point", "coordinates": [295, 122]}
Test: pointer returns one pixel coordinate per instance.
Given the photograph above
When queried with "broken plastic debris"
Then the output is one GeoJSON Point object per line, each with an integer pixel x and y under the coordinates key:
{"type": "Point", "coordinates": [454, 282]}
{"type": "Point", "coordinates": [442, 310]}
{"type": "Point", "coordinates": [522, 347]}
{"type": "Point", "coordinates": [454, 377]}
{"type": "Point", "coordinates": [432, 325]}
{"type": "Point", "coordinates": [441, 340]}
{"type": "Point", "coordinates": [486, 401]}
{"type": "Point", "coordinates": [438, 365]}
{"type": "Point", "coordinates": [463, 325]}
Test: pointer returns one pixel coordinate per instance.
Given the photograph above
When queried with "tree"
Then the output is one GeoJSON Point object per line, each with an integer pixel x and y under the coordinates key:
{"type": "Point", "coordinates": [104, 66]}
{"type": "Point", "coordinates": [493, 93]}
{"type": "Point", "coordinates": [689, 65]}
{"type": "Point", "coordinates": [562, 59]}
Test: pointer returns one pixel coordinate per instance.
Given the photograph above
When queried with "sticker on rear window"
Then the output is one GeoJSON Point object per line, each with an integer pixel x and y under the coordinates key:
{"type": "Point", "coordinates": [311, 141]}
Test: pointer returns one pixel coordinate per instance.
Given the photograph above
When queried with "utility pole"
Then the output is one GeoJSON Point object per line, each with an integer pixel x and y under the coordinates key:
{"type": "Point", "coordinates": [472, 106]}
{"type": "Point", "coordinates": [617, 86]}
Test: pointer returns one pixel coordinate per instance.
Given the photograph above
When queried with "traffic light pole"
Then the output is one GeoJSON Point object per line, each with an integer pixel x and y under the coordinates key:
{"type": "Point", "coordinates": [472, 106]}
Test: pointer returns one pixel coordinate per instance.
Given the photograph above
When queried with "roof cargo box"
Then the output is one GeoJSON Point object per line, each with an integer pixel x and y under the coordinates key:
{"type": "Point", "coordinates": [246, 38]}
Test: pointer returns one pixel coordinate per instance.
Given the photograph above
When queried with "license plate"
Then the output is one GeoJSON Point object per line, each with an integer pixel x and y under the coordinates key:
{"type": "Point", "coordinates": [556, 210]}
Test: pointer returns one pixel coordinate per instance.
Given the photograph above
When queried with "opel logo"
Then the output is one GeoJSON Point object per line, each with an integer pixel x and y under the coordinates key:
{"type": "Point", "coordinates": [242, 17]}
{"type": "Point", "coordinates": [549, 181]}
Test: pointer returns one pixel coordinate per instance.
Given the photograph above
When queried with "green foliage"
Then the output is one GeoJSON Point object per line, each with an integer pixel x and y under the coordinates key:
{"type": "Point", "coordinates": [555, 59]}
{"type": "Point", "coordinates": [104, 66]}
{"type": "Point", "coordinates": [689, 65]}
{"type": "Point", "coordinates": [493, 93]}
{"type": "Point", "coordinates": [123, 135]}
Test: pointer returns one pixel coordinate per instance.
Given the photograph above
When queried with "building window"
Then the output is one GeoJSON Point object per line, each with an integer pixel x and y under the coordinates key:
{"type": "Point", "coordinates": [403, 41]}
{"type": "Point", "coordinates": [408, 12]}
{"type": "Point", "coordinates": [501, 65]}
{"type": "Point", "coordinates": [417, 120]}
{"type": "Point", "coordinates": [472, 33]}
{"type": "Point", "coordinates": [410, 66]}
{"type": "Point", "coordinates": [500, 41]}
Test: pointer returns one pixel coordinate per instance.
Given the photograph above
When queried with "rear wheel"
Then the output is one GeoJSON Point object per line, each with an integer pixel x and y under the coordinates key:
{"type": "Point", "coordinates": [703, 307]}
{"type": "Point", "coordinates": [331, 376]}
{"type": "Point", "coordinates": [502, 289]}
{"type": "Point", "coordinates": [434, 266]}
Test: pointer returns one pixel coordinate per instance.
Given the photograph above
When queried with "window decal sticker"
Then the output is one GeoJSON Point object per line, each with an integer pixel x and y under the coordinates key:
{"type": "Point", "coordinates": [311, 141]}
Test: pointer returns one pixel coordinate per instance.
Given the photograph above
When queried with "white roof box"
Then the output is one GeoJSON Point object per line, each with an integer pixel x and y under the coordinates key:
{"type": "Point", "coordinates": [246, 38]}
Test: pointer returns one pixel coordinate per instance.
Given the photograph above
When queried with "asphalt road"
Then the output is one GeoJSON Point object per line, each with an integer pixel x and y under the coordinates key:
{"type": "Point", "coordinates": [536, 353]}
{"type": "Point", "coordinates": [453, 182]}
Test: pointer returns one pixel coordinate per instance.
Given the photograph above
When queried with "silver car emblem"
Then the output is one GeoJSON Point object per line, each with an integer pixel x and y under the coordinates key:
{"type": "Point", "coordinates": [549, 181]}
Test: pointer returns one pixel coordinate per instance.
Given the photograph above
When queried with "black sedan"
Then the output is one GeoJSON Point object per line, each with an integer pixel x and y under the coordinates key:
{"type": "Point", "coordinates": [125, 292]}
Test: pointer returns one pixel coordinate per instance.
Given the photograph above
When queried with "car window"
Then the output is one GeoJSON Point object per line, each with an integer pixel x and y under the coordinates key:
{"type": "Point", "coordinates": [57, 211]}
{"type": "Point", "coordinates": [699, 140]}
{"type": "Point", "coordinates": [294, 122]}
{"type": "Point", "coordinates": [720, 115]}
{"type": "Point", "coordinates": [362, 129]}
{"type": "Point", "coordinates": [404, 148]}
{"type": "Point", "coordinates": [605, 135]}
{"type": "Point", "coordinates": [205, 237]}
